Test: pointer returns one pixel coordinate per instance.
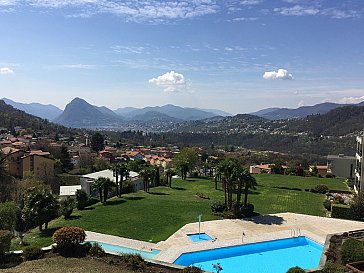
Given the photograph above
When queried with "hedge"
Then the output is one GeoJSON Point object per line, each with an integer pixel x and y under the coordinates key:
{"type": "Point", "coordinates": [342, 212]}
{"type": "Point", "coordinates": [352, 251]}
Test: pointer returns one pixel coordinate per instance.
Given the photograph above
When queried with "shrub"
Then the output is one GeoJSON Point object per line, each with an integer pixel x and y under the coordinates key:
{"type": "Point", "coordinates": [352, 251]}
{"type": "Point", "coordinates": [327, 204]}
{"type": "Point", "coordinates": [218, 207]}
{"type": "Point", "coordinates": [81, 199]}
{"type": "Point", "coordinates": [341, 211]}
{"type": "Point", "coordinates": [134, 261]}
{"type": "Point", "coordinates": [322, 188]}
{"type": "Point", "coordinates": [67, 206]}
{"type": "Point", "coordinates": [248, 210]}
{"type": "Point", "coordinates": [32, 253]}
{"type": "Point", "coordinates": [92, 201]}
{"type": "Point", "coordinates": [96, 250]}
{"type": "Point", "coordinates": [8, 212]}
{"type": "Point", "coordinates": [5, 240]}
{"type": "Point", "coordinates": [69, 236]}
{"type": "Point", "coordinates": [296, 269]}
{"type": "Point", "coordinates": [192, 269]}
{"type": "Point", "coordinates": [329, 175]}
{"type": "Point", "coordinates": [333, 268]}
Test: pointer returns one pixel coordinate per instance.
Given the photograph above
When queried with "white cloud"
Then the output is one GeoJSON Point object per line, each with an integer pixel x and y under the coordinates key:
{"type": "Point", "coordinates": [297, 10]}
{"type": "Point", "coordinates": [7, 2]}
{"type": "Point", "coordinates": [136, 11]}
{"type": "Point", "coordinates": [280, 74]}
{"type": "Point", "coordinates": [352, 100]}
{"type": "Point", "coordinates": [170, 81]}
{"type": "Point", "coordinates": [5, 70]}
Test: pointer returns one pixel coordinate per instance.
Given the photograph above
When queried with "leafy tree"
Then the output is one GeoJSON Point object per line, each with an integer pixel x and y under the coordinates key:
{"type": "Point", "coordinates": [357, 207]}
{"type": "Point", "coordinates": [186, 161]}
{"type": "Point", "coordinates": [8, 213]}
{"type": "Point", "coordinates": [100, 164]}
{"type": "Point", "coordinates": [39, 206]}
{"type": "Point", "coordinates": [65, 159]}
{"type": "Point", "coordinates": [97, 142]}
{"type": "Point", "coordinates": [81, 199]}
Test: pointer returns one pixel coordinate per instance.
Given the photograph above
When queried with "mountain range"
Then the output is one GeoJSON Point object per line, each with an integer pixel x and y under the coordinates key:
{"type": "Point", "coordinates": [48, 111]}
{"type": "Point", "coordinates": [80, 114]}
{"type": "Point", "coordinates": [303, 111]}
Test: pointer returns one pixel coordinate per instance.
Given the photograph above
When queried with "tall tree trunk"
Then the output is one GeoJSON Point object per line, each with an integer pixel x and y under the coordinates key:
{"type": "Point", "coordinates": [117, 184]}
{"type": "Point", "coordinates": [215, 182]}
{"type": "Point", "coordinates": [100, 195]}
{"type": "Point", "coordinates": [246, 191]}
{"type": "Point", "coordinates": [106, 191]}
{"type": "Point", "coordinates": [238, 194]}
{"type": "Point", "coordinates": [225, 197]}
{"type": "Point", "coordinates": [121, 185]}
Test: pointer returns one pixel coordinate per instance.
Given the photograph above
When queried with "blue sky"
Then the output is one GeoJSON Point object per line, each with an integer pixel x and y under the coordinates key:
{"type": "Point", "coordinates": [235, 55]}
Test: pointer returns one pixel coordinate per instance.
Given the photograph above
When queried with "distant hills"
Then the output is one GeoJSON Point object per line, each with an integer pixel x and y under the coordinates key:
{"type": "Point", "coordinates": [340, 121]}
{"type": "Point", "coordinates": [81, 114]}
{"type": "Point", "coordinates": [11, 117]}
{"type": "Point", "coordinates": [303, 111]}
{"type": "Point", "coordinates": [49, 111]}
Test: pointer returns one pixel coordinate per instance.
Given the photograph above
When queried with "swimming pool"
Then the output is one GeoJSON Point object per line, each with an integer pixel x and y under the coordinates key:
{"type": "Point", "coordinates": [199, 237]}
{"type": "Point", "coordinates": [266, 257]}
{"type": "Point", "coordinates": [147, 255]}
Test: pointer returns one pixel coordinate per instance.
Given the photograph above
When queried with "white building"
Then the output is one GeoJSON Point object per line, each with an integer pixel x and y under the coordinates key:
{"type": "Point", "coordinates": [359, 181]}
{"type": "Point", "coordinates": [341, 165]}
{"type": "Point", "coordinates": [87, 180]}
{"type": "Point", "coordinates": [68, 191]}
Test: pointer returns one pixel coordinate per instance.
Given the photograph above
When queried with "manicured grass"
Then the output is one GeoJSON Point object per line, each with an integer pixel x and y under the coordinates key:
{"type": "Point", "coordinates": [157, 215]}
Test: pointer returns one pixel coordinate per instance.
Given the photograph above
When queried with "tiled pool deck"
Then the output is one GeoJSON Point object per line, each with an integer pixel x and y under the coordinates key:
{"type": "Point", "coordinates": [230, 232]}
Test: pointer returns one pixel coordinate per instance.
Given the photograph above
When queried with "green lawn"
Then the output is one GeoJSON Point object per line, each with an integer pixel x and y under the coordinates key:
{"type": "Point", "coordinates": [157, 215]}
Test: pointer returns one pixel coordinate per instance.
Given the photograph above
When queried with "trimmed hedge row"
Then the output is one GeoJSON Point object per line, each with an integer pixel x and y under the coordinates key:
{"type": "Point", "coordinates": [342, 212]}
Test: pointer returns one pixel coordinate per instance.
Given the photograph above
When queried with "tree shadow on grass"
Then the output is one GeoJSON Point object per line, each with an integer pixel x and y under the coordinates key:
{"type": "Point", "coordinates": [48, 232]}
{"type": "Point", "coordinates": [267, 220]}
{"type": "Point", "coordinates": [115, 202]}
{"type": "Point", "coordinates": [134, 198]}
{"type": "Point", "coordinates": [73, 217]}
{"type": "Point", "coordinates": [158, 193]}
{"type": "Point", "coordinates": [178, 188]}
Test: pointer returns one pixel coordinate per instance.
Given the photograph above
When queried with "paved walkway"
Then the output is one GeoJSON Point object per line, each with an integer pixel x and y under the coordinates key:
{"type": "Point", "coordinates": [119, 241]}
{"type": "Point", "coordinates": [230, 232]}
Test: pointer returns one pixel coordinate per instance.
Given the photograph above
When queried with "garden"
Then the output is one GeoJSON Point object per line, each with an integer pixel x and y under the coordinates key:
{"type": "Point", "coordinates": [156, 215]}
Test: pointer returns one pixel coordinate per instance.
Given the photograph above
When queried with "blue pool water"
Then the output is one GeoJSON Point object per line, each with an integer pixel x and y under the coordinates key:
{"type": "Point", "coordinates": [196, 237]}
{"type": "Point", "coordinates": [266, 257]}
{"type": "Point", "coordinates": [147, 255]}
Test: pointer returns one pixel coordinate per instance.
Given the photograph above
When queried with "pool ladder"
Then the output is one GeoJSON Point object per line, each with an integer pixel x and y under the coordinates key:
{"type": "Point", "coordinates": [295, 232]}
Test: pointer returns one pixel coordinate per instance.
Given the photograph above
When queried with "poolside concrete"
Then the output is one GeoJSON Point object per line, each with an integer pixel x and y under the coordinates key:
{"type": "Point", "coordinates": [119, 241]}
{"type": "Point", "coordinates": [229, 232]}
{"type": "Point", "coordinates": [258, 229]}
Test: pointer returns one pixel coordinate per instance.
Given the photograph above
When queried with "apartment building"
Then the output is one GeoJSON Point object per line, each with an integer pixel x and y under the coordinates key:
{"type": "Point", "coordinates": [359, 179]}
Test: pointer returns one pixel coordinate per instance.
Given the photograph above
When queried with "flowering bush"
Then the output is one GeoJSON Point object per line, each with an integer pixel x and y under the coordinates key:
{"type": "Point", "coordinates": [69, 236]}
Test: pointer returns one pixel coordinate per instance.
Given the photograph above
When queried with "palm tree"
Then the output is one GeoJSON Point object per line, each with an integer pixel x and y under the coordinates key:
{"type": "Point", "coordinates": [115, 169]}
{"type": "Point", "coordinates": [108, 184]}
{"type": "Point", "coordinates": [98, 185]}
{"type": "Point", "coordinates": [169, 174]}
{"type": "Point", "coordinates": [123, 171]}
{"type": "Point", "coordinates": [103, 185]}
